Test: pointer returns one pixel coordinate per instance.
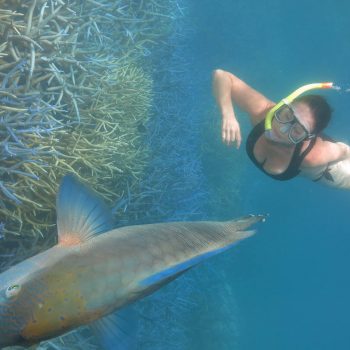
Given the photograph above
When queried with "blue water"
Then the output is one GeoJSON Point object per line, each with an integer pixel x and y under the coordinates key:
{"type": "Point", "coordinates": [287, 287]}
{"type": "Point", "coordinates": [290, 285]}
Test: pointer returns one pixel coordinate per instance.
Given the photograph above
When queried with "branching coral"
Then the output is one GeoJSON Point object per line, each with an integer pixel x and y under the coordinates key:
{"type": "Point", "coordinates": [70, 101]}
{"type": "Point", "coordinates": [79, 81]}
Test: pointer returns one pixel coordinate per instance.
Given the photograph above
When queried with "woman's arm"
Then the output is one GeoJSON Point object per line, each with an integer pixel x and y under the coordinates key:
{"type": "Point", "coordinates": [229, 89]}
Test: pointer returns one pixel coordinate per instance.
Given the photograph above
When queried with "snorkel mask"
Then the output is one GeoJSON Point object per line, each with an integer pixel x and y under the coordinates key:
{"type": "Point", "coordinates": [286, 102]}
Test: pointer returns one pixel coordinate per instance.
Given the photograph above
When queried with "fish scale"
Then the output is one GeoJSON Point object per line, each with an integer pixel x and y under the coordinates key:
{"type": "Point", "coordinates": [94, 270]}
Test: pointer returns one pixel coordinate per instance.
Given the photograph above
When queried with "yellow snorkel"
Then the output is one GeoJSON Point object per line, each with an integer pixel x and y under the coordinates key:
{"type": "Point", "coordinates": [289, 99]}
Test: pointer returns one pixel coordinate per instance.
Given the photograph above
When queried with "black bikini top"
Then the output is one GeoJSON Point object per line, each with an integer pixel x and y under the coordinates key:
{"type": "Point", "coordinates": [294, 166]}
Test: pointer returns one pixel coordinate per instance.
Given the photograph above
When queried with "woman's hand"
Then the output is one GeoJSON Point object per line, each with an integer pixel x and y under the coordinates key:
{"type": "Point", "coordinates": [231, 132]}
{"type": "Point", "coordinates": [229, 90]}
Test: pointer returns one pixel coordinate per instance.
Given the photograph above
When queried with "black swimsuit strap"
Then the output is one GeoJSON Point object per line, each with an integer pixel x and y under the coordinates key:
{"type": "Point", "coordinates": [299, 156]}
{"type": "Point", "coordinates": [253, 137]}
{"type": "Point", "coordinates": [307, 149]}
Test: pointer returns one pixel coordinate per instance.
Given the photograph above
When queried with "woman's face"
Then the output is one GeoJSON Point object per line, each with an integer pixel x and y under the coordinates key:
{"type": "Point", "coordinates": [293, 124]}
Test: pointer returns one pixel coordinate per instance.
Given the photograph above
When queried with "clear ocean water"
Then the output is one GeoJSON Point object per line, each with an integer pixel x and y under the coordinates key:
{"type": "Point", "coordinates": [289, 283]}
{"type": "Point", "coordinates": [287, 287]}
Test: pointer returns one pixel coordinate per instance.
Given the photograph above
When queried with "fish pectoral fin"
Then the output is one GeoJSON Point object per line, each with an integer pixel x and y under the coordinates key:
{"type": "Point", "coordinates": [81, 214]}
{"type": "Point", "coordinates": [117, 331]}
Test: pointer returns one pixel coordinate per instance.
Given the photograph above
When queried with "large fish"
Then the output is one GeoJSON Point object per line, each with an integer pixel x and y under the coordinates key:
{"type": "Point", "coordinates": [95, 270]}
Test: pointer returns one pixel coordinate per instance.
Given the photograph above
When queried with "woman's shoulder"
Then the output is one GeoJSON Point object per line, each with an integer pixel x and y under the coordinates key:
{"type": "Point", "coordinates": [260, 115]}
{"type": "Point", "coordinates": [321, 152]}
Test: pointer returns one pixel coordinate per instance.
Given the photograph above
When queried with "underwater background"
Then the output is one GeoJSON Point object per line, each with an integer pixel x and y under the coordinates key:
{"type": "Point", "coordinates": [290, 281]}
{"type": "Point", "coordinates": [147, 65]}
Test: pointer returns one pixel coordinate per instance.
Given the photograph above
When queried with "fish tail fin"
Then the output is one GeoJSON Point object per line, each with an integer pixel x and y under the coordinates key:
{"type": "Point", "coordinates": [193, 242]}
{"type": "Point", "coordinates": [246, 221]}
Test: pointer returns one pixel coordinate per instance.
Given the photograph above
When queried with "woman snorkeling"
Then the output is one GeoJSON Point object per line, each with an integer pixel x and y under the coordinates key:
{"type": "Point", "coordinates": [286, 139]}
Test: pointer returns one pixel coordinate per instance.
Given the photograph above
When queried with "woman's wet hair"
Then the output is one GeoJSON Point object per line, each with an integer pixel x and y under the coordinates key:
{"type": "Point", "coordinates": [320, 108]}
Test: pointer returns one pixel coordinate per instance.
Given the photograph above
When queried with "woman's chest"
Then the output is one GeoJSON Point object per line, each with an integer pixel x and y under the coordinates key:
{"type": "Point", "coordinates": [275, 158]}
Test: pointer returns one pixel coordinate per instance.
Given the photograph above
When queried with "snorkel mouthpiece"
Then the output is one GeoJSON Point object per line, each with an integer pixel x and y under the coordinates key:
{"type": "Point", "coordinates": [290, 98]}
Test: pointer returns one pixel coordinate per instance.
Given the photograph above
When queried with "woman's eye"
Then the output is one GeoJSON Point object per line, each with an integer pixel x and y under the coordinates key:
{"type": "Point", "coordinates": [298, 130]}
{"type": "Point", "coordinates": [287, 115]}
{"type": "Point", "coordinates": [12, 291]}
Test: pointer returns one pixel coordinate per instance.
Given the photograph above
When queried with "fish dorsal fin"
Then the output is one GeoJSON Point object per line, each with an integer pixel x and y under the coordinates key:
{"type": "Point", "coordinates": [117, 331]}
{"type": "Point", "coordinates": [81, 214]}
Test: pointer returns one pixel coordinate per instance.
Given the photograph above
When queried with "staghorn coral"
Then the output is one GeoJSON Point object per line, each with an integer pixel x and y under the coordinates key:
{"type": "Point", "coordinates": [70, 101]}
{"type": "Point", "coordinates": [92, 48]}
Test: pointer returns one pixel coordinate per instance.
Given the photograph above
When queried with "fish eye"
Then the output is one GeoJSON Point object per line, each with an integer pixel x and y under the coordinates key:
{"type": "Point", "coordinates": [12, 291]}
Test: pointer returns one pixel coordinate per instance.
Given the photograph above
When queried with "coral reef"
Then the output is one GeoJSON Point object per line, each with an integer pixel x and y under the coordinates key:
{"type": "Point", "coordinates": [102, 89]}
{"type": "Point", "coordinates": [76, 90]}
{"type": "Point", "coordinates": [74, 97]}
